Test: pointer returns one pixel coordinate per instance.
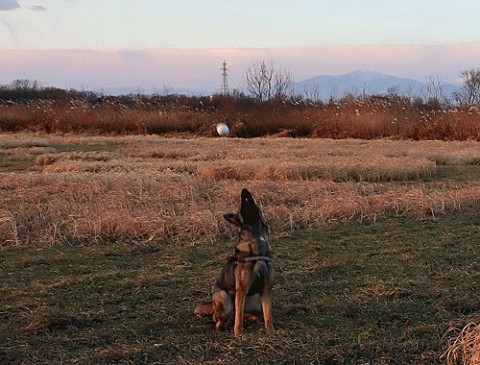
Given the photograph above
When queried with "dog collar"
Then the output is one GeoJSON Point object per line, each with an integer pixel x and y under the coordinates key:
{"type": "Point", "coordinates": [258, 258]}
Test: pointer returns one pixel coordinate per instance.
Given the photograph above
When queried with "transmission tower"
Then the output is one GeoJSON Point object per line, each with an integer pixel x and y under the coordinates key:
{"type": "Point", "coordinates": [224, 69]}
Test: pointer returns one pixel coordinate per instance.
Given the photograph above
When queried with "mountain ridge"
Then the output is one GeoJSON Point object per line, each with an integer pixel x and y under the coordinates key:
{"type": "Point", "coordinates": [364, 82]}
{"type": "Point", "coordinates": [324, 87]}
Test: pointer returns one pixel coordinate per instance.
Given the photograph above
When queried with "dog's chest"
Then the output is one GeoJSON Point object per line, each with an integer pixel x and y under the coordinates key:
{"type": "Point", "coordinates": [257, 246]}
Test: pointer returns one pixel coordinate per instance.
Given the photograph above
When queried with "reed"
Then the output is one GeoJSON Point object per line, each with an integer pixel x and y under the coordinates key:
{"type": "Point", "coordinates": [368, 117]}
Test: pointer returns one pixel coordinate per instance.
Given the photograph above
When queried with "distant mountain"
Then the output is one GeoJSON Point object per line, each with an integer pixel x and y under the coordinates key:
{"type": "Point", "coordinates": [363, 82]}
{"type": "Point", "coordinates": [323, 87]}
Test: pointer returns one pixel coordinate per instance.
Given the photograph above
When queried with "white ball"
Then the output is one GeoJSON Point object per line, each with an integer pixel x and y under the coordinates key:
{"type": "Point", "coordinates": [222, 129]}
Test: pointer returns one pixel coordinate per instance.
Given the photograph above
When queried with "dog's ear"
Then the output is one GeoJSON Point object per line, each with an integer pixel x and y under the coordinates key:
{"type": "Point", "coordinates": [233, 218]}
{"type": "Point", "coordinates": [248, 209]}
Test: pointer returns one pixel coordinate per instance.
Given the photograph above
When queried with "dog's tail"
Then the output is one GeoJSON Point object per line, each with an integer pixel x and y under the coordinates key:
{"type": "Point", "coordinates": [204, 309]}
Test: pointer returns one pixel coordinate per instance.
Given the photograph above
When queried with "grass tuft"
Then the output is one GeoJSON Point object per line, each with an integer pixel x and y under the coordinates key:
{"type": "Point", "coordinates": [465, 347]}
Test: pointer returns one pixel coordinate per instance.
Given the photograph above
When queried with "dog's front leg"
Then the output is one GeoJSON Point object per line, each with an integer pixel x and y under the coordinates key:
{"type": "Point", "coordinates": [267, 301]}
{"type": "Point", "coordinates": [242, 285]}
{"type": "Point", "coordinates": [267, 308]}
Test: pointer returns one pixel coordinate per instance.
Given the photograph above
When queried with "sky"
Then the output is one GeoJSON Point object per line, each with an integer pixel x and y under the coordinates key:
{"type": "Point", "coordinates": [181, 43]}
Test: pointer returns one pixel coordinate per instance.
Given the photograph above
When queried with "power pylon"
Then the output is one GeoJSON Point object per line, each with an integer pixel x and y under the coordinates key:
{"type": "Point", "coordinates": [224, 69]}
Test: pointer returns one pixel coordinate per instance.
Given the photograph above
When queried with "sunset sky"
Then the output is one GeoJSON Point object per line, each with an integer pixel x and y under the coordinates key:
{"type": "Point", "coordinates": [181, 43]}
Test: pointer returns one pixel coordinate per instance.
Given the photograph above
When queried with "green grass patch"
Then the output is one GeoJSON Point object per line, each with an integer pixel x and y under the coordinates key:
{"type": "Point", "coordinates": [457, 172]}
{"type": "Point", "coordinates": [16, 163]}
{"type": "Point", "coordinates": [85, 147]}
{"type": "Point", "coordinates": [362, 293]}
{"type": "Point", "coordinates": [21, 156]}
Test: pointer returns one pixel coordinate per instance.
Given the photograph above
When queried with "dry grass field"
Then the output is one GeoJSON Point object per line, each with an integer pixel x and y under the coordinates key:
{"type": "Point", "coordinates": [83, 190]}
{"type": "Point", "coordinates": [107, 243]}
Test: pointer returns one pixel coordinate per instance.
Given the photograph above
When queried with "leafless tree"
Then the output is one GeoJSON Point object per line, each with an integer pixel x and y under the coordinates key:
{"type": "Point", "coordinates": [25, 84]}
{"type": "Point", "coordinates": [312, 93]}
{"type": "Point", "coordinates": [265, 83]}
{"type": "Point", "coordinates": [470, 91]}
{"type": "Point", "coordinates": [283, 84]}
{"type": "Point", "coordinates": [433, 93]}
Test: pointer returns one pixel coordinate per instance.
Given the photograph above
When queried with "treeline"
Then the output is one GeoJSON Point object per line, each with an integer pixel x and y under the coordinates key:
{"type": "Point", "coordinates": [25, 90]}
{"type": "Point", "coordinates": [28, 91]}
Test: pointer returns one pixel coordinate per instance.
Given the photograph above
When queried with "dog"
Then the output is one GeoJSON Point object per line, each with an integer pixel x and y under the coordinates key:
{"type": "Point", "coordinates": [245, 283]}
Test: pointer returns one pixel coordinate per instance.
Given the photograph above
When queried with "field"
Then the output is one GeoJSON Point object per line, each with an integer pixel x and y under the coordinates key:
{"type": "Point", "coordinates": [108, 242]}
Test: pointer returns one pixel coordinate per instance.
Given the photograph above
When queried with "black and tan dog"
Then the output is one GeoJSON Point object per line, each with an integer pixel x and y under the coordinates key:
{"type": "Point", "coordinates": [245, 283]}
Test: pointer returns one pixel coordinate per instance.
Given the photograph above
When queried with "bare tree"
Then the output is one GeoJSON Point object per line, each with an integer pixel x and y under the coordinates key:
{"type": "Point", "coordinates": [433, 90]}
{"type": "Point", "coordinates": [470, 91]}
{"type": "Point", "coordinates": [25, 84]}
{"type": "Point", "coordinates": [258, 81]}
{"type": "Point", "coordinates": [312, 93]}
{"type": "Point", "coordinates": [433, 93]}
{"type": "Point", "coordinates": [283, 84]}
{"type": "Point", "coordinates": [265, 83]}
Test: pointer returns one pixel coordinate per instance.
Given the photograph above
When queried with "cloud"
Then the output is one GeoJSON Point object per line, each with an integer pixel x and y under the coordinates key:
{"type": "Point", "coordinates": [9, 5]}
{"type": "Point", "coordinates": [8, 34]}
{"type": "Point", "coordinates": [199, 69]}
{"type": "Point", "coordinates": [38, 8]}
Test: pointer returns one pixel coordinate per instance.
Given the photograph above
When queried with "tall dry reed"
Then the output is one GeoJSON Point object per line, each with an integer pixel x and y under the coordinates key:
{"type": "Point", "coordinates": [368, 117]}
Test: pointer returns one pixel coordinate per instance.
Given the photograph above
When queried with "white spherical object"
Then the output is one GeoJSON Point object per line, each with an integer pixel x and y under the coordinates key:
{"type": "Point", "coordinates": [222, 129]}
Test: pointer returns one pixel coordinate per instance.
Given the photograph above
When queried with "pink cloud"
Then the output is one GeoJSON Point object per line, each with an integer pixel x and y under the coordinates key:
{"type": "Point", "coordinates": [200, 68]}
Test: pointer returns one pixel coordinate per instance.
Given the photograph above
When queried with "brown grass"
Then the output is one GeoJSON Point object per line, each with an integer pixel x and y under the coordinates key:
{"type": "Point", "coordinates": [465, 347]}
{"type": "Point", "coordinates": [80, 190]}
{"type": "Point", "coordinates": [369, 117]}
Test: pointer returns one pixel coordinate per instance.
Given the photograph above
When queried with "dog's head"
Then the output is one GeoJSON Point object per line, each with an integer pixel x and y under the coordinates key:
{"type": "Point", "coordinates": [253, 230]}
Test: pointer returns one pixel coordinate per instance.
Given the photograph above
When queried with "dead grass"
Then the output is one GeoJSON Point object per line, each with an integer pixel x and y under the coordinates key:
{"type": "Point", "coordinates": [366, 117]}
{"type": "Point", "coordinates": [335, 168]}
{"type": "Point", "coordinates": [78, 190]}
{"type": "Point", "coordinates": [465, 347]}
